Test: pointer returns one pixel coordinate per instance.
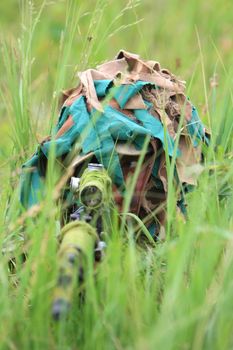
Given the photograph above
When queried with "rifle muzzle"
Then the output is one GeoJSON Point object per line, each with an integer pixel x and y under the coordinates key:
{"type": "Point", "coordinates": [78, 241]}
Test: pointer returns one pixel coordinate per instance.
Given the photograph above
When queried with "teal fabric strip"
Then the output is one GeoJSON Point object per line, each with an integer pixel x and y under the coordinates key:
{"type": "Point", "coordinates": [62, 118]}
{"type": "Point", "coordinates": [102, 86]}
{"type": "Point", "coordinates": [83, 126]}
{"type": "Point", "coordinates": [155, 169]}
{"type": "Point", "coordinates": [32, 162]}
{"type": "Point", "coordinates": [196, 129]}
{"type": "Point", "coordinates": [31, 181]}
{"type": "Point", "coordinates": [152, 229]}
{"type": "Point", "coordinates": [31, 187]}
{"type": "Point", "coordinates": [104, 148]}
{"type": "Point", "coordinates": [124, 93]}
{"type": "Point", "coordinates": [111, 126]}
{"type": "Point", "coordinates": [82, 131]}
{"type": "Point", "coordinates": [121, 126]}
{"type": "Point", "coordinates": [155, 128]}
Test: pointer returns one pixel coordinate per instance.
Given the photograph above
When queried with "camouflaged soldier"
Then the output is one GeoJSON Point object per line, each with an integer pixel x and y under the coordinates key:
{"type": "Point", "coordinates": [110, 114]}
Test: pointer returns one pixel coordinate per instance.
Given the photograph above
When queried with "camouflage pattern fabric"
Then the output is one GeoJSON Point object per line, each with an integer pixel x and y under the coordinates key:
{"type": "Point", "coordinates": [123, 101]}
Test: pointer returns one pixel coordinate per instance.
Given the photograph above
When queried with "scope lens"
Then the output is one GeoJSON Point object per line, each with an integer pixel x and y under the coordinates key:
{"type": "Point", "coordinates": [91, 196]}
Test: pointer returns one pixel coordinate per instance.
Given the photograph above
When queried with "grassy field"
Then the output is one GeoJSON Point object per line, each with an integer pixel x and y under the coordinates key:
{"type": "Point", "coordinates": [177, 295]}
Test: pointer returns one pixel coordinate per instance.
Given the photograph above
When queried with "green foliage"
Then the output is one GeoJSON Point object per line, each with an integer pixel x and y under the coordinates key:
{"type": "Point", "coordinates": [176, 295]}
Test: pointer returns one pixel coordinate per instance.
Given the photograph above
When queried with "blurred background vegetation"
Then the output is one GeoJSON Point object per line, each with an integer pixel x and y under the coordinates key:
{"type": "Point", "coordinates": [183, 297]}
{"type": "Point", "coordinates": [167, 31]}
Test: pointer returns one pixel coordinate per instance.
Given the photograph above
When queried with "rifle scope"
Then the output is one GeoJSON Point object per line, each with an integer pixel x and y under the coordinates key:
{"type": "Point", "coordinates": [95, 186]}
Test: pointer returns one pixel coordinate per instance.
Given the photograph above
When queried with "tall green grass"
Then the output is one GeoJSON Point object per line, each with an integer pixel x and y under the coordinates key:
{"type": "Point", "coordinates": [176, 295]}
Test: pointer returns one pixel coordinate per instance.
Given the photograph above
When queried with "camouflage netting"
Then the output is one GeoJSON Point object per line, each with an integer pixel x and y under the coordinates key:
{"type": "Point", "coordinates": [110, 114]}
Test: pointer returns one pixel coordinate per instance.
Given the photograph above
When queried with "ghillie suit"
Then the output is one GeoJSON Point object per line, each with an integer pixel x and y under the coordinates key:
{"type": "Point", "coordinates": [106, 121]}
{"type": "Point", "coordinates": [109, 115]}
